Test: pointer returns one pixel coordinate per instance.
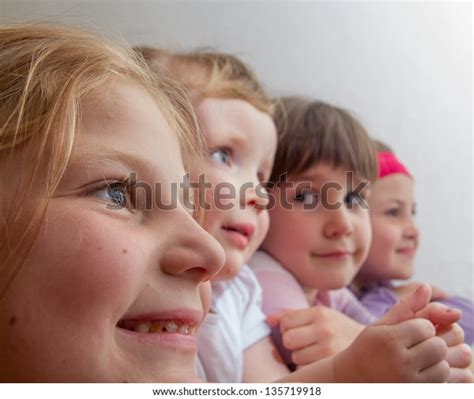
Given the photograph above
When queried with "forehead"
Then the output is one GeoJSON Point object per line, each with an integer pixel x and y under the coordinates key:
{"type": "Point", "coordinates": [125, 118]}
{"type": "Point", "coordinates": [323, 172]}
{"type": "Point", "coordinates": [396, 186]}
{"type": "Point", "coordinates": [239, 121]}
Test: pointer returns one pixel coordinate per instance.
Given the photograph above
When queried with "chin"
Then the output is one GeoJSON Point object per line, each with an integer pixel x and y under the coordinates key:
{"type": "Point", "coordinates": [228, 272]}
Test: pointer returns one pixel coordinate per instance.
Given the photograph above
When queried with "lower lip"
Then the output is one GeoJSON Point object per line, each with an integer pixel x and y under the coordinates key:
{"type": "Point", "coordinates": [406, 252]}
{"type": "Point", "coordinates": [238, 239]}
{"type": "Point", "coordinates": [152, 340]}
{"type": "Point", "coordinates": [335, 256]}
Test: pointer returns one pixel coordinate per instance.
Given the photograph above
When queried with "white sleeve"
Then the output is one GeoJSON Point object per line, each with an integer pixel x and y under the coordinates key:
{"type": "Point", "coordinates": [254, 326]}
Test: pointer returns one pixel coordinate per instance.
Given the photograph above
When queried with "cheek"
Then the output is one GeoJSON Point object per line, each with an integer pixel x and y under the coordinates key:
{"type": "Point", "coordinates": [262, 227]}
{"type": "Point", "coordinates": [205, 292]}
{"type": "Point", "coordinates": [385, 237]}
{"type": "Point", "coordinates": [289, 234]}
{"type": "Point", "coordinates": [364, 233]}
{"type": "Point", "coordinates": [90, 260]}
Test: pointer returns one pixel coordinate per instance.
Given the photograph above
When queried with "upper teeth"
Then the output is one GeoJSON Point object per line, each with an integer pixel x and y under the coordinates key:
{"type": "Point", "coordinates": [155, 326]}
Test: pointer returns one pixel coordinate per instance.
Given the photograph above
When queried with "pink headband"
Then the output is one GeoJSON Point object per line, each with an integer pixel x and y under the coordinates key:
{"type": "Point", "coordinates": [389, 165]}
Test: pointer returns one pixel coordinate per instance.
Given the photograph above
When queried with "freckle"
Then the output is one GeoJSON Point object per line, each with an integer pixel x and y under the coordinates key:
{"type": "Point", "coordinates": [99, 248]}
{"type": "Point", "coordinates": [124, 251]}
{"type": "Point", "coordinates": [12, 321]}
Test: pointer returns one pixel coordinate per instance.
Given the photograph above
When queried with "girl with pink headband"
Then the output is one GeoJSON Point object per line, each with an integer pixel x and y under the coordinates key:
{"type": "Point", "coordinates": [394, 244]}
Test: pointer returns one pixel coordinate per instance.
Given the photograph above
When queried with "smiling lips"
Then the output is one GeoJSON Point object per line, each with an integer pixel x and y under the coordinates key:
{"type": "Point", "coordinates": [407, 251]}
{"type": "Point", "coordinates": [335, 255]}
{"type": "Point", "coordinates": [239, 234]}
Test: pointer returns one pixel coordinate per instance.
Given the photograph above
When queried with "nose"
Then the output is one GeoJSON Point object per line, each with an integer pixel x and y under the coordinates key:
{"type": "Point", "coordinates": [191, 251]}
{"type": "Point", "coordinates": [338, 223]}
{"type": "Point", "coordinates": [410, 231]}
{"type": "Point", "coordinates": [254, 195]}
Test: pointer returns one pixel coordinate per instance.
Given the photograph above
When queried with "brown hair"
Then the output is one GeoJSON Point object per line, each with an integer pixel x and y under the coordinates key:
{"type": "Point", "coordinates": [211, 74]}
{"type": "Point", "coordinates": [45, 73]}
{"type": "Point", "coordinates": [380, 146]}
{"type": "Point", "coordinates": [311, 131]}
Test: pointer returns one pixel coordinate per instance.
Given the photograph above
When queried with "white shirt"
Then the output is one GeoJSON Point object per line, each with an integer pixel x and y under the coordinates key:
{"type": "Point", "coordinates": [234, 323]}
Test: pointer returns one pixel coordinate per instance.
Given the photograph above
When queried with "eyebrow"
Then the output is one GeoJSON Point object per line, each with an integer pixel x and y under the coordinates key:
{"type": "Point", "coordinates": [397, 201]}
{"type": "Point", "coordinates": [130, 161]}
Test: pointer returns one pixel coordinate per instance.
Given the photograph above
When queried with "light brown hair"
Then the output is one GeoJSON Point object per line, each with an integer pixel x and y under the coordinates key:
{"type": "Point", "coordinates": [311, 131]}
{"type": "Point", "coordinates": [45, 73]}
{"type": "Point", "coordinates": [211, 74]}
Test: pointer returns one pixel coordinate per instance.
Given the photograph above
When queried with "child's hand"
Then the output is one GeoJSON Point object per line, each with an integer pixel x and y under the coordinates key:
{"type": "Point", "coordinates": [404, 290]}
{"type": "Point", "coordinates": [401, 347]}
{"type": "Point", "coordinates": [417, 305]}
{"type": "Point", "coordinates": [459, 355]}
{"type": "Point", "coordinates": [315, 333]}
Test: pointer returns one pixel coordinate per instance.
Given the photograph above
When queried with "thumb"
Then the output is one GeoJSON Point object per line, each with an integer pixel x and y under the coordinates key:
{"type": "Point", "coordinates": [407, 308]}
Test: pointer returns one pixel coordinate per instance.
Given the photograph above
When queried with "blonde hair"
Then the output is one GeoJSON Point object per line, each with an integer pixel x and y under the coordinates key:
{"type": "Point", "coordinates": [311, 131]}
{"type": "Point", "coordinates": [45, 72]}
{"type": "Point", "coordinates": [211, 74]}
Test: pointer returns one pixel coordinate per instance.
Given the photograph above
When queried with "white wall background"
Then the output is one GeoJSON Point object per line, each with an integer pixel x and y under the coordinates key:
{"type": "Point", "coordinates": [405, 69]}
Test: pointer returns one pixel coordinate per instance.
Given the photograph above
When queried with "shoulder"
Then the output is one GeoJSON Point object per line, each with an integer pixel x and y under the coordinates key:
{"type": "Point", "coordinates": [263, 262]}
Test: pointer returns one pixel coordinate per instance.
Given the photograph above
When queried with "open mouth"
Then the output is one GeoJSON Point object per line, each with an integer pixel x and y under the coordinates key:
{"type": "Point", "coordinates": [245, 230]}
{"type": "Point", "coordinates": [157, 326]}
{"type": "Point", "coordinates": [239, 234]}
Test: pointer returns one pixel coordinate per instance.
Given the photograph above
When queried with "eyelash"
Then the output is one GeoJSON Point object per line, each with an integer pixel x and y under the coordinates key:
{"type": "Point", "coordinates": [225, 151]}
{"type": "Point", "coordinates": [303, 197]}
{"type": "Point", "coordinates": [395, 212]}
{"type": "Point", "coordinates": [123, 184]}
{"type": "Point", "coordinates": [358, 198]}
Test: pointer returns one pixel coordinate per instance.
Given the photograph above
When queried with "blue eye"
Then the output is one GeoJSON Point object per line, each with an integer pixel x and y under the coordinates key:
{"type": "Point", "coordinates": [116, 193]}
{"type": "Point", "coordinates": [221, 155]}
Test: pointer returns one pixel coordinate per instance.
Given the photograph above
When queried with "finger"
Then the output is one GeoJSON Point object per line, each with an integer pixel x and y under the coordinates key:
{"type": "Point", "coordinates": [438, 372]}
{"type": "Point", "coordinates": [461, 375]}
{"type": "Point", "coordinates": [438, 293]}
{"type": "Point", "coordinates": [412, 332]}
{"type": "Point", "coordinates": [459, 356]}
{"type": "Point", "coordinates": [310, 354]}
{"type": "Point", "coordinates": [428, 353]}
{"type": "Point", "coordinates": [301, 337]}
{"type": "Point", "coordinates": [452, 334]}
{"type": "Point", "coordinates": [407, 307]}
{"type": "Point", "coordinates": [438, 313]}
{"type": "Point", "coordinates": [298, 318]}
{"type": "Point", "coordinates": [274, 319]}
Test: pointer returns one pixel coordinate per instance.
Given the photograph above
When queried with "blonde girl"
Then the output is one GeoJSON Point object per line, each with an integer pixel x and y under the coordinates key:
{"type": "Point", "coordinates": [97, 283]}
